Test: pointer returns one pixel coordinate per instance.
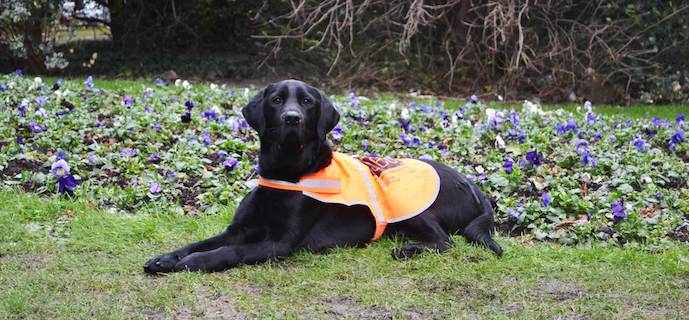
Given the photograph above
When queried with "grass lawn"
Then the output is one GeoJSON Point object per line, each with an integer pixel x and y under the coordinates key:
{"type": "Point", "coordinates": [63, 259]}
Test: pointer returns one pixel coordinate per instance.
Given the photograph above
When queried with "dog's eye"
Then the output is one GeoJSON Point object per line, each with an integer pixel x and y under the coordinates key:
{"type": "Point", "coordinates": [277, 100]}
{"type": "Point", "coordinates": [306, 101]}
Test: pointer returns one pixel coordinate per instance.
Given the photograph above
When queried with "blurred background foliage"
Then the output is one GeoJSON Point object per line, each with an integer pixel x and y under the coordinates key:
{"type": "Point", "coordinates": [609, 52]}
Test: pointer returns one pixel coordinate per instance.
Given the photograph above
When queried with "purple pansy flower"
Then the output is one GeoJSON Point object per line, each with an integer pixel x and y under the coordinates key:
{"type": "Point", "coordinates": [660, 195]}
{"type": "Point", "coordinates": [127, 102]}
{"type": "Point", "coordinates": [513, 213]}
{"type": "Point", "coordinates": [582, 146]}
{"type": "Point", "coordinates": [89, 82]}
{"type": "Point", "coordinates": [337, 133]}
{"type": "Point", "coordinates": [546, 199]}
{"type": "Point", "coordinates": [66, 181]}
{"type": "Point", "coordinates": [189, 104]}
{"type": "Point", "coordinates": [67, 184]}
{"type": "Point", "coordinates": [534, 158]}
{"type": "Point", "coordinates": [587, 158]}
{"type": "Point", "coordinates": [677, 137]}
{"type": "Point", "coordinates": [230, 163]}
{"type": "Point", "coordinates": [508, 166]}
{"type": "Point", "coordinates": [406, 139]}
{"type": "Point", "coordinates": [639, 143]}
{"type": "Point", "coordinates": [618, 210]}
{"type": "Point", "coordinates": [482, 178]}
{"type": "Point", "coordinates": [571, 125]}
{"type": "Point", "coordinates": [35, 127]}
{"type": "Point", "coordinates": [127, 152]}
{"type": "Point", "coordinates": [155, 188]}
{"type": "Point", "coordinates": [209, 114]}
{"type": "Point", "coordinates": [207, 139]}
{"type": "Point", "coordinates": [60, 168]}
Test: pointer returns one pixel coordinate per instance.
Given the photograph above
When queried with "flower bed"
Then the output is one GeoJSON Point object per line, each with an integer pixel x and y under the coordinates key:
{"type": "Point", "coordinates": [581, 179]}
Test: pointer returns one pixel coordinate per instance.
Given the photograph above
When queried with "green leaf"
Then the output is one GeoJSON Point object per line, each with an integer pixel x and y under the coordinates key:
{"type": "Point", "coordinates": [515, 149]}
{"type": "Point", "coordinates": [626, 188]}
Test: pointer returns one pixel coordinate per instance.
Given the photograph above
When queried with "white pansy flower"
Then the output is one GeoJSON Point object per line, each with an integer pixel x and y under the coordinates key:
{"type": "Point", "coordinates": [178, 82]}
{"type": "Point", "coordinates": [499, 142]}
{"type": "Point", "coordinates": [41, 112]}
{"type": "Point", "coordinates": [405, 114]}
{"type": "Point", "coordinates": [186, 85]}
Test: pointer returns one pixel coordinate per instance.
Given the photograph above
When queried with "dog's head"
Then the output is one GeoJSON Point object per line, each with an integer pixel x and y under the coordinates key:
{"type": "Point", "coordinates": [291, 111]}
{"type": "Point", "coordinates": [292, 119]}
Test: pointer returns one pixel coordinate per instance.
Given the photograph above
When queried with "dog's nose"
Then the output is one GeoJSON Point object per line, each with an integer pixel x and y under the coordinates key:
{"type": "Point", "coordinates": [291, 117]}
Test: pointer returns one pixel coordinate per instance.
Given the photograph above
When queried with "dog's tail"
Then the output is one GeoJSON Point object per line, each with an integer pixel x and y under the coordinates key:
{"type": "Point", "coordinates": [479, 230]}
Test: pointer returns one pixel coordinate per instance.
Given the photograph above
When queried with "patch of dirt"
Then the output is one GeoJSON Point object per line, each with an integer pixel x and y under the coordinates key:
{"type": "Point", "coordinates": [349, 309]}
{"type": "Point", "coordinates": [679, 235]}
{"type": "Point", "coordinates": [560, 291]}
{"type": "Point", "coordinates": [505, 227]}
{"type": "Point", "coordinates": [31, 261]}
{"type": "Point", "coordinates": [16, 167]}
{"type": "Point", "coordinates": [208, 306]}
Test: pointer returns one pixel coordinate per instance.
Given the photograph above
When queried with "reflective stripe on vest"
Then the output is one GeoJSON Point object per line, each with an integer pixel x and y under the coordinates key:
{"type": "Point", "coordinates": [393, 189]}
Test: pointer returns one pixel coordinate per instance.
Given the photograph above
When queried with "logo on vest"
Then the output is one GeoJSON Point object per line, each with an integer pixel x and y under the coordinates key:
{"type": "Point", "coordinates": [379, 165]}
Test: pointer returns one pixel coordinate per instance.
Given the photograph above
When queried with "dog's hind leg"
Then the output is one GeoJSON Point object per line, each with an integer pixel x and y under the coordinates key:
{"type": "Point", "coordinates": [433, 238]}
{"type": "Point", "coordinates": [479, 231]}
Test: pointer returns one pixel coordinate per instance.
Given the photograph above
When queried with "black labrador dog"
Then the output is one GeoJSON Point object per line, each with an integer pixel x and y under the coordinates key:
{"type": "Point", "coordinates": [292, 120]}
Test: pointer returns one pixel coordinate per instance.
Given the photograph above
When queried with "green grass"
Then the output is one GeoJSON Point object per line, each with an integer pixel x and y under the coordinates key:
{"type": "Point", "coordinates": [633, 112]}
{"type": "Point", "coordinates": [63, 259]}
{"type": "Point", "coordinates": [81, 33]}
{"type": "Point", "coordinates": [107, 85]}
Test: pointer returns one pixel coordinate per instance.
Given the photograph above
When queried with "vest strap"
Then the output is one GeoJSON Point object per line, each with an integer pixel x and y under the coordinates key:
{"type": "Point", "coordinates": [322, 185]}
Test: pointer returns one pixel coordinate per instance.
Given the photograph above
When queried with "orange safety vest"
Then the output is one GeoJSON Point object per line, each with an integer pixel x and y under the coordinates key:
{"type": "Point", "coordinates": [393, 189]}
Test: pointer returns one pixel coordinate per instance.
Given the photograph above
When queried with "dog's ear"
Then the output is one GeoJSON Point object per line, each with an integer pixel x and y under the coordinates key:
{"type": "Point", "coordinates": [253, 112]}
{"type": "Point", "coordinates": [328, 118]}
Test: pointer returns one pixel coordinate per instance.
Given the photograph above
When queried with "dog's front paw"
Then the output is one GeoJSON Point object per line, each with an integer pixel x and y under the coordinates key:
{"type": "Point", "coordinates": [162, 263]}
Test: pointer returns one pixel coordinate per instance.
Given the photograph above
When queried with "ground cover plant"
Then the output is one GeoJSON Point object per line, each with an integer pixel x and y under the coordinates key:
{"type": "Point", "coordinates": [97, 181]}
{"type": "Point", "coordinates": [578, 178]}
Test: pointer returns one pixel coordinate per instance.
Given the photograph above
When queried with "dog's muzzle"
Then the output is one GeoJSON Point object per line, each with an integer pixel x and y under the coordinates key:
{"type": "Point", "coordinates": [291, 118]}
{"type": "Point", "coordinates": [292, 132]}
